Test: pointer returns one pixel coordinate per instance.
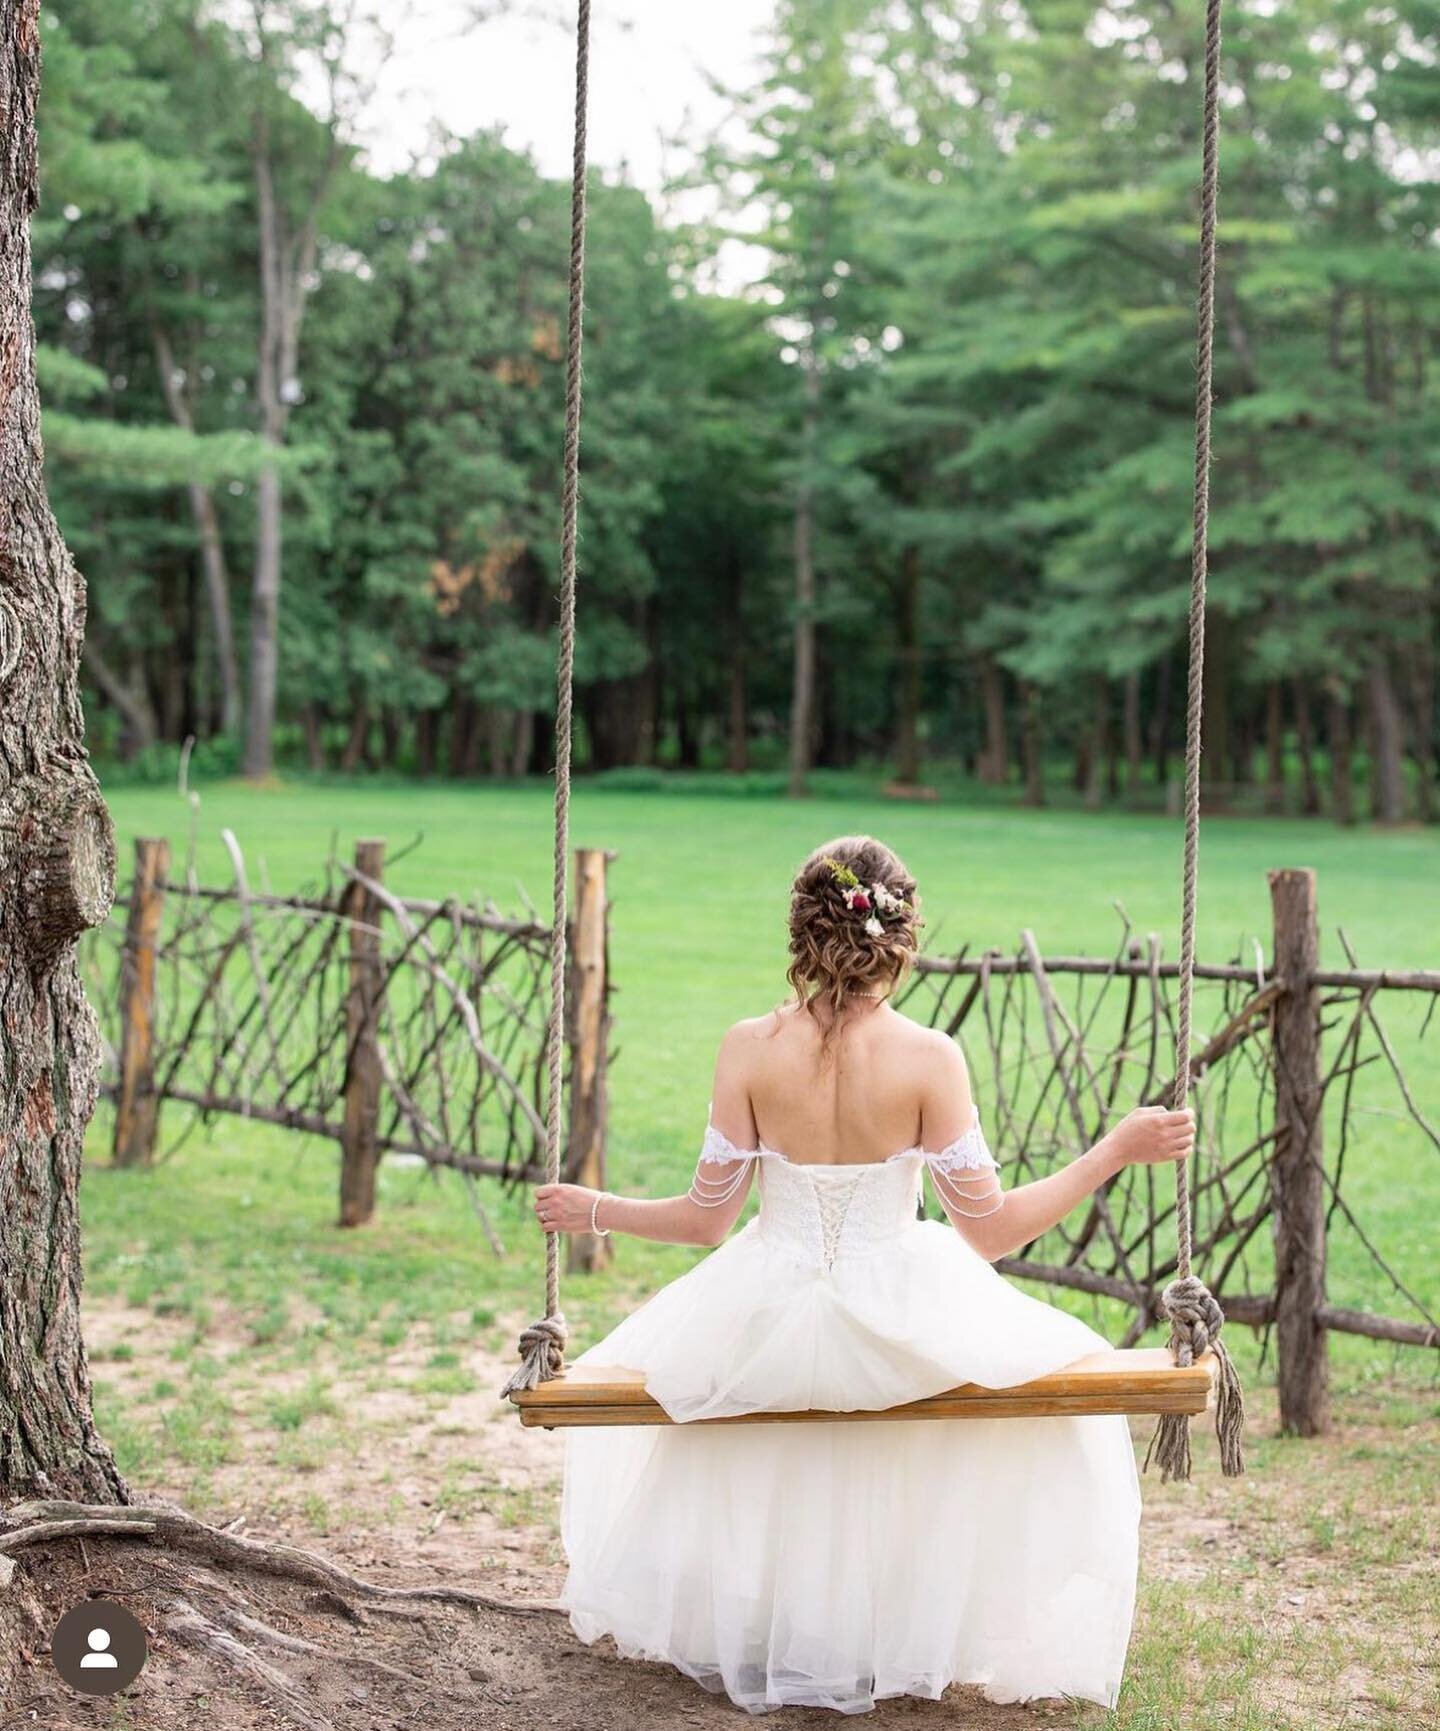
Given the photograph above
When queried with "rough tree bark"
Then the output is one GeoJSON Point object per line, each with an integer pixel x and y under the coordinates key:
{"type": "Point", "coordinates": [57, 876]}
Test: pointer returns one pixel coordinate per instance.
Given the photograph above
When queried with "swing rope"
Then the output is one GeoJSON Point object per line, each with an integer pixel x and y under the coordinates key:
{"type": "Point", "coordinates": [542, 1345]}
{"type": "Point", "coordinates": [1194, 1314]}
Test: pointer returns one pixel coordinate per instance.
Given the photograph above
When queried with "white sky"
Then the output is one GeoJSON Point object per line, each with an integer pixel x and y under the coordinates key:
{"type": "Point", "coordinates": [649, 64]}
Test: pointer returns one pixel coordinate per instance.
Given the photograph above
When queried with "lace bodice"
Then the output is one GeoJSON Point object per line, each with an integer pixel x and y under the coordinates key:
{"type": "Point", "coordinates": [824, 1212]}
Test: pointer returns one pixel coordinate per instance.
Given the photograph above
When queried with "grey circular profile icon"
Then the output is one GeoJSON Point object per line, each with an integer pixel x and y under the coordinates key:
{"type": "Point", "coordinates": [98, 1647]}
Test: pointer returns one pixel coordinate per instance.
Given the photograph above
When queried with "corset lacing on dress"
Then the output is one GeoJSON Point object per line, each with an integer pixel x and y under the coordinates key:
{"type": "Point", "coordinates": [844, 1208]}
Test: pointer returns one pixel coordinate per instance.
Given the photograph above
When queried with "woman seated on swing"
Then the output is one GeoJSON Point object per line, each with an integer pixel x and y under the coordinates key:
{"type": "Point", "coordinates": [832, 1565]}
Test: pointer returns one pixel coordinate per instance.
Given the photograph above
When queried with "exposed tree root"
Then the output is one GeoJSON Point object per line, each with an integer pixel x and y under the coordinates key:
{"type": "Point", "coordinates": [243, 1625]}
{"type": "Point", "coordinates": [186, 1625]}
{"type": "Point", "coordinates": [37, 1523]}
{"type": "Point", "coordinates": [190, 1580]}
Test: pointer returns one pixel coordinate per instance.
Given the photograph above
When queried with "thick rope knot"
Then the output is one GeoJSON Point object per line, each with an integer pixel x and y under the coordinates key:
{"type": "Point", "coordinates": [542, 1355]}
{"type": "Point", "coordinates": [1195, 1317]}
{"type": "Point", "coordinates": [1195, 1323]}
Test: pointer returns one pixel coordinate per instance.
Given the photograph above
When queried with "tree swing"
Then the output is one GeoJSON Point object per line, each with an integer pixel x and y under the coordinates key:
{"type": "Point", "coordinates": [1174, 1383]}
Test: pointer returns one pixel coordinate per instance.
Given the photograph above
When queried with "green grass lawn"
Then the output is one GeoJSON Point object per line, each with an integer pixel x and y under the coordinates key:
{"type": "Point", "coordinates": [699, 888]}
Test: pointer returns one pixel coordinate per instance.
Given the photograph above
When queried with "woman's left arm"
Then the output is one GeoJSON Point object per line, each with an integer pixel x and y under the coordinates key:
{"type": "Point", "coordinates": [717, 1193]}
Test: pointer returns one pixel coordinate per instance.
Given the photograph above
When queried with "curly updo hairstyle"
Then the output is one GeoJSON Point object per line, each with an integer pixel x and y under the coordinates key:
{"type": "Point", "coordinates": [841, 942]}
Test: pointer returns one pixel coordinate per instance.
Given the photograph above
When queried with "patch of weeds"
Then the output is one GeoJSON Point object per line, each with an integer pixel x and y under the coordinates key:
{"type": "Point", "coordinates": [271, 1324]}
{"type": "Point", "coordinates": [452, 1380]}
{"type": "Point", "coordinates": [289, 1412]}
{"type": "Point", "coordinates": [316, 1511]}
{"type": "Point", "coordinates": [199, 1430]}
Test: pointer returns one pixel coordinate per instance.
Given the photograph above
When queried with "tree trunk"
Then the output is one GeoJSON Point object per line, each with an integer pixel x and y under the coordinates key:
{"type": "Point", "coordinates": [1305, 743]}
{"type": "Point", "coordinates": [134, 708]}
{"type": "Point", "coordinates": [1297, 1168]}
{"type": "Point", "coordinates": [619, 722]}
{"type": "Point", "coordinates": [524, 744]}
{"type": "Point", "coordinates": [1160, 721]}
{"type": "Point", "coordinates": [57, 877]}
{"type": "Point", "coordinates": [1422, 703]}
{"type": "Point", "coordinates": [392, 737]}
{"type": "Point", "coordinates": [359, 1142]}
{"type": "Point", "coordinates": [269, 503]}
{"type": "Point", "coordinates": [212, 547]}
{"type": "Point", "coordinates": [802, 682]}
{"type": "Point", "coordinates": [687, 732]}
{"type": "Point", "coordinates": [264, 625]}
{"type": "Point", "coordinates": [1134, 746]}
{"type": "Point", "coordinates": [1032, 746]}
{"type": "Point", "coordinates": [737, 726]}
{"type": "Point", "coordinates": [464, 719]}
{"type": "Point", "coordinates": [425, 744]}
{"type": "Point", "coordinates": [287, 259]}
{"type": "Point", "coordinates": [354, 753]}
{"type": "Point", "coordinates": [1274, 751]}
{"type": "Point", "coordinates": [1387, 745]}
{"type": "Point", "coordinates": [314, 739]}
{"type": "Point", "coordinates": [907, 733]}
{"type": "Point", "coordinates": [1215, 720]}
{"type": "Point", "coordinates": [994, 765]}
{"type": "Point", "coordinates": [1342, 787]}
{"type": "Point", "coordinates": [1099, 747]}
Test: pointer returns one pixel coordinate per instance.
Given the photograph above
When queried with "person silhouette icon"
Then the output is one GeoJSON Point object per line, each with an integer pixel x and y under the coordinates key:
{"type": "Point", "coordinates": [98, 1648]}
{"type": "Point", "coordinates": [98, 1658]}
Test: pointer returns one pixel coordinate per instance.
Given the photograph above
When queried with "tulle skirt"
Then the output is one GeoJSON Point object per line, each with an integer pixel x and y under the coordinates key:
{"type": "Point", "coordinates": [834, 1564]}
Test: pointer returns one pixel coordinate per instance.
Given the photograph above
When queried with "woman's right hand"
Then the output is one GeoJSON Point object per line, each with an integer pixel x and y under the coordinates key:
{"type": "Point", "coordinates": [1151, 1135]}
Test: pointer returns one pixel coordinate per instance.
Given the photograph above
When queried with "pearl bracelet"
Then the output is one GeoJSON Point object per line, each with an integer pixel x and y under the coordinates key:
{"type": "Point", "coordinates": [595, 1226]}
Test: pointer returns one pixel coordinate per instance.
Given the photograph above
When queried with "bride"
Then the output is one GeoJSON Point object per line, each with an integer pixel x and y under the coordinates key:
{"type": "Point", "coordinates": [833, 1564]}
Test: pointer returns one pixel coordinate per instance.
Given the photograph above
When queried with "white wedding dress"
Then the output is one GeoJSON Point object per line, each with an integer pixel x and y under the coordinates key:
{"type": "Point", "coordinates": [828, 1564]}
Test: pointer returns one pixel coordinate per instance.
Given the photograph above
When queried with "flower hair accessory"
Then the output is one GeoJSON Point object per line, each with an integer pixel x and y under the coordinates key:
{"type": "Point", "coordinates": [873, 900]}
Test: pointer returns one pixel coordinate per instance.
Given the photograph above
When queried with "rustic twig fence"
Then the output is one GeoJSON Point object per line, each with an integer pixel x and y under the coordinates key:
{"type": "Point", "coordinates": [388, 1024]}
{"type": "Point", "coordinates": [1064, 1046]}
{"type": "Point", "coordinates": [396, 1025]}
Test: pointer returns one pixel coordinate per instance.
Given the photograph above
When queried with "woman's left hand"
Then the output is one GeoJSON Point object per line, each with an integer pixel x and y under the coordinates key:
{"type": "Point", "coordinates": [564, 1207]}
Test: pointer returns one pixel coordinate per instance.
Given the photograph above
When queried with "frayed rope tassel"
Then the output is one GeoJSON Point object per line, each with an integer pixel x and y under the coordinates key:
{"type": "Point", "coordinates": [1195, 1323]}
{"type": "Point", "coordinates": [542, 1355]}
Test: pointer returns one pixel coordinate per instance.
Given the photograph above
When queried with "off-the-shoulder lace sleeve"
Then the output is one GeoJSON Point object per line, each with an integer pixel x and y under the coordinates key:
{"type": "Point", "coordinates": [965, 1175]}
{"type": "Point", "coordinates": [721, 1170]}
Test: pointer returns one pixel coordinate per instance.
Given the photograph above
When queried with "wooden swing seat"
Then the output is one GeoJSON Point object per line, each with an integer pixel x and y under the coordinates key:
{"type": "Point", "coordinates": [1137, 1380]}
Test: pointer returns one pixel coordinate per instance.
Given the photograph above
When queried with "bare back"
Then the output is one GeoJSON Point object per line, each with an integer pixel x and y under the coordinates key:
{"type": "Point", "coordinates": [881, 1086]}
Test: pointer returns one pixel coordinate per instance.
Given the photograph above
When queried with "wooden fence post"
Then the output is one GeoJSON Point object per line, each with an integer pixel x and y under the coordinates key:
{"type": "Point", "coordinates": [137, 1108]}
{"type": "Point", "coordinates": [1297, 1176]}
{"type": "Point", "coordinates": [360, 1155]}
{"type": "Point", "coordinates": [589, 1035]}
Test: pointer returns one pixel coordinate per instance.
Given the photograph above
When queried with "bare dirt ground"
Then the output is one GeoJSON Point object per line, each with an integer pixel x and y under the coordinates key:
{"type": "Point", "coordinates": [410, 1485]}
